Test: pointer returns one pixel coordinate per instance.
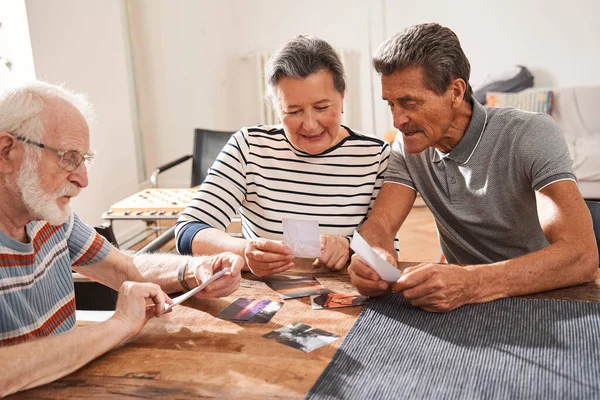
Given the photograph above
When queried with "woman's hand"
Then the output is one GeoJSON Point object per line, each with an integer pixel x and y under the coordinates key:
{"type": "Point", "coordinates": [267, 257]}
{"type": "Point", "coordinates": [335, 252]}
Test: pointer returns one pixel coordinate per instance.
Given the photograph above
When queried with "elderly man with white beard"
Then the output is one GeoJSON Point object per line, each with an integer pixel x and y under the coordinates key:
{"type": "Point", "coordinates": [44, 156]}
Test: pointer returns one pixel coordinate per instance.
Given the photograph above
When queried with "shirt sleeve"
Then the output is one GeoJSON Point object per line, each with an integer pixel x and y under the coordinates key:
{"type": "Point", "coordinates": [542, 153]}
{"type": "Point", "coordinates": [397, 172]}
{"type": "Point", "coordinates": [385, 156]}
{"type": "Point", "coordinates": [86, 246]}
{"type": "Point", "coordinates": [219, 196]}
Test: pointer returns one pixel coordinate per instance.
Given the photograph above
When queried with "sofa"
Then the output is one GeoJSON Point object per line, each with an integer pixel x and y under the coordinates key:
{"type": "Point", "coordinates": [577, 111]}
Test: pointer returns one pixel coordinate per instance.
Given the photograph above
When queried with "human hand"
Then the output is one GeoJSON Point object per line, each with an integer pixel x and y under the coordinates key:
{"type": "Point", "coordinates": [131, 307]}
{"type": "Point", "coordinates": [365, 279]}
{"type": "Point", "coordinates": [206, 266]}
{"type": "Point", "coordinates": [267, 257]}
{"type": "Point", "coordinates": [335, 251]}
{"type": "Point", "coordinates": [436, 287]}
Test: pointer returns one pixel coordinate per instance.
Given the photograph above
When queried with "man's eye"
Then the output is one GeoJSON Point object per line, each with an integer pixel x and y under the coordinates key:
{"type": "Point", "coordinates": [72, 158]}
{"type": "Point", "coordinates": [292, 112]}
{"type": "Point", "coordinates": [322, 108]}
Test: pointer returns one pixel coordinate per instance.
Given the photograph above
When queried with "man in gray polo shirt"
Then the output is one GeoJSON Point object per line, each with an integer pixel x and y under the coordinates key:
{"type": "Point", "coordinates": [498, 181]}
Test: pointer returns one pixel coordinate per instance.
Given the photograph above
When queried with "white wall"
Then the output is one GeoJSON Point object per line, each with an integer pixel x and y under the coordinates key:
{"type": "Point", "coordinates": [558, 40]}
{"type": "Point", "coordinates": [190, 70]}
{"type": "Point", "coordinates": [189, 74]}
{"type": "Point", "coordinates": [84, 44]}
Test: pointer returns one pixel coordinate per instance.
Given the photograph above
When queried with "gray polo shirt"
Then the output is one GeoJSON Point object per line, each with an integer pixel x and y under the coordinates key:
{"type": "Point", "coordinates": [482, 193]}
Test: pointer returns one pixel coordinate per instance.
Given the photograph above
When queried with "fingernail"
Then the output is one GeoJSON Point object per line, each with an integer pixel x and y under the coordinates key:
{"type": "Point", "coordinates": [382, 285]}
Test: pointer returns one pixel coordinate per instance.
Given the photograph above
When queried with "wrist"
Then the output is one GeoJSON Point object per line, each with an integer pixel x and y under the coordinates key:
{"type": "Point", "coordinates": [191, 275]}
{"type": "Point", "coordinates": [183, 274]}
{"type": "Point", "coordinates": [121, 328]}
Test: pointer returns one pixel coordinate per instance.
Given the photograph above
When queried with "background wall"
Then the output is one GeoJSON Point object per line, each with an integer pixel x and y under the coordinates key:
{"type": "Point", "coordinates": [85, 45]}
{"type": "Point", "coordinates": [194, 63]}
{"type": "Point", "coordinates": [558, 40]}
{"type": "Point", "coordinates": [174, 66]}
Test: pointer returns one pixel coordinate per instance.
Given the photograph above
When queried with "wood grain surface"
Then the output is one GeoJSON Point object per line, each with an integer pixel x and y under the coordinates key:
{"type": "Point", "coordinates": [189, 353]}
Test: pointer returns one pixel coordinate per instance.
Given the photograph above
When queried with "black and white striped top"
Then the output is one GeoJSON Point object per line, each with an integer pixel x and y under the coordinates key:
{"type": "Point", "coordinates": [260, 174]}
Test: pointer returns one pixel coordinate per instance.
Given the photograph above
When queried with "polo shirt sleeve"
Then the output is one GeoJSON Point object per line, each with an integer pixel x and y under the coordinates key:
{"type": "Point", "coordinates": [397, 172]}
{"type": "Point", "coordinates": [86, 246]}
{"type": "Point", "coordinates": [542, 154]}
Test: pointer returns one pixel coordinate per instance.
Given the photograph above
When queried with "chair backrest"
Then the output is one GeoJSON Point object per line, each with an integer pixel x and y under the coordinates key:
{"type": "Point", "coordinates": [107, 232]}
{"type": "Point", "coordinates": [594, 207]}
{"type": "Point", "coordinates": [207, 146]}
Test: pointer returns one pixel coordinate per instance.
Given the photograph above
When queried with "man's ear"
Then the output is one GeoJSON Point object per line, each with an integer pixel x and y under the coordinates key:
{"type": "Point", "coordinates": [7, 153]}
{"type": "Point", "coordinates": [458, 87]}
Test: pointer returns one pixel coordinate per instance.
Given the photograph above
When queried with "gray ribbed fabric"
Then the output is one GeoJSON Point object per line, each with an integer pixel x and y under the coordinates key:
{"type": "Point", "coordinates": [507, 349]}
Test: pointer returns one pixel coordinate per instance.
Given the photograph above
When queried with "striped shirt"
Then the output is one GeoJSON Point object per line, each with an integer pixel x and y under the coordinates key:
{"type": "Point", "coordinates": [261, 175]}
{"type": "Point", "coordinates": [36, 286]}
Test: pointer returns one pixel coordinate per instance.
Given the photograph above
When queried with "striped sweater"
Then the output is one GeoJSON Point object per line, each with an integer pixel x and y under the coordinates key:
{"type": "Point", "coordinates": [36, 285]}
{"type": "Point", "coordinates": [263, 177]}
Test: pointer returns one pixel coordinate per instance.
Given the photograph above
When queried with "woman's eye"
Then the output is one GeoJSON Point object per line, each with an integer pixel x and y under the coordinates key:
{"type": "Point", "coordinates": [292, 112]}
{"type": "Point", "coordinates": [322, 108]}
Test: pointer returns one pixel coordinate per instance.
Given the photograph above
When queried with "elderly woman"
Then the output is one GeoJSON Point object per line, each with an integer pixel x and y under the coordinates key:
{"type": "Point", "coordinates": [309, 167]}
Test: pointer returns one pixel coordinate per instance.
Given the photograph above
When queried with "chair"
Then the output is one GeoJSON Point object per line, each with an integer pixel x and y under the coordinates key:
{"type": "Point", "coordinates": [207, 146]}
{"type": "Point", "coordinates": [594, 207]}
{"type": "Point", "coordinates": [91, 295]}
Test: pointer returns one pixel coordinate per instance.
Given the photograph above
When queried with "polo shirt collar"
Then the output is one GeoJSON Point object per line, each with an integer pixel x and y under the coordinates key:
{"type": "Point", "coordinates": [465, 147]}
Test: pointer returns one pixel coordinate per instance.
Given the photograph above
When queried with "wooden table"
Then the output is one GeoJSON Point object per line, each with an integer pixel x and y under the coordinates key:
{"type": "Point", "coordinates": [190, 353]}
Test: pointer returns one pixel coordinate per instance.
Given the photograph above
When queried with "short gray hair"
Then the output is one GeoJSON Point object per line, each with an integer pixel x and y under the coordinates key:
{"type": "Point", "coordinates": [303, 56]}
{"type": "Point", "coordinates": [21, 107]}
{"type": "Point", "coordinates": [434, 48]}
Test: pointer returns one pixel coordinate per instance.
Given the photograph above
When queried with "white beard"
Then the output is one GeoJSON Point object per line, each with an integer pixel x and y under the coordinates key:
{"type": "Point", "coordinates": [41, 205]}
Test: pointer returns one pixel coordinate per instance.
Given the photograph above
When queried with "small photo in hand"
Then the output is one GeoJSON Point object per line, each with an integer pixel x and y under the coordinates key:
{"type": "Point", "coordinates": [244, 309]}
{"type": "Point", "coordinates": [300, 287]}
{"type": "Point", "coordinates": [302, 237]}
{"type": "Point", "coordinates": [302, 337]}
{"type": "Point", "coordinates": [337, 300]}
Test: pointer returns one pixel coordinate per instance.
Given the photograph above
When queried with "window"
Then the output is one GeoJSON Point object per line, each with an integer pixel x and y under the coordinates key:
{"type": "Point", "coordinates": [16, 58]}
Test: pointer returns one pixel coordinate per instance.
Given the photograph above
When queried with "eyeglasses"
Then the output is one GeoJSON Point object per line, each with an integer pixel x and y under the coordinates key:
{"type": "Point", "coordinates": [69, 160]}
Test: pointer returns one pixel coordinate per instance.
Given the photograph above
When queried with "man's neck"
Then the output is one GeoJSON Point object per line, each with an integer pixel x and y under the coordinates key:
{"type": "Point", "coordinates": [458, 127]}
{"type": "Point", "coordinates": [13, 219]}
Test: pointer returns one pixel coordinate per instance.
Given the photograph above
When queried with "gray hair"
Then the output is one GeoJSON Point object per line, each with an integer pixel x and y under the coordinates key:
{"type": "Point", "coordinates": [430, 46]}
{"type": "Point", "coordinates": [303, 56]}
{"type": "Point", "coordinates": [22, 106]}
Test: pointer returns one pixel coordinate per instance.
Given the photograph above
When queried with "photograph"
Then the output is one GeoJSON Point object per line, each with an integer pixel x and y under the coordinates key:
{"type": "Point", "coordinates": [300, 287]}
{"type": "Point", "coordinates": [265, 315]}
{"type": "Point", "coordinates": [243, 309]}
{"type": "Point", "coordinates": [302, 337]}
{"type": "Point", "coordinates": [337, 300]}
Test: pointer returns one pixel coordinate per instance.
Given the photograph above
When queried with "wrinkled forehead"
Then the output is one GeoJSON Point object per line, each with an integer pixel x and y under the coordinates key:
{"type": "Point", "coordinates": [65, 127]}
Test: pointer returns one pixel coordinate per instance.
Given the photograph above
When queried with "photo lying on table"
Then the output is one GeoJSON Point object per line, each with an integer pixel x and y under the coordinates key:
{"type": "Point", "coordinates": [244, 309]}
{"type": "Point", "coordinates": [265, 315]}
{"type": "Point", "coordinates": [337, 300]}
{"type": "Point", "coordinates": [302, 337]}
{"type": "Point", "coordinates": [298, 287]}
